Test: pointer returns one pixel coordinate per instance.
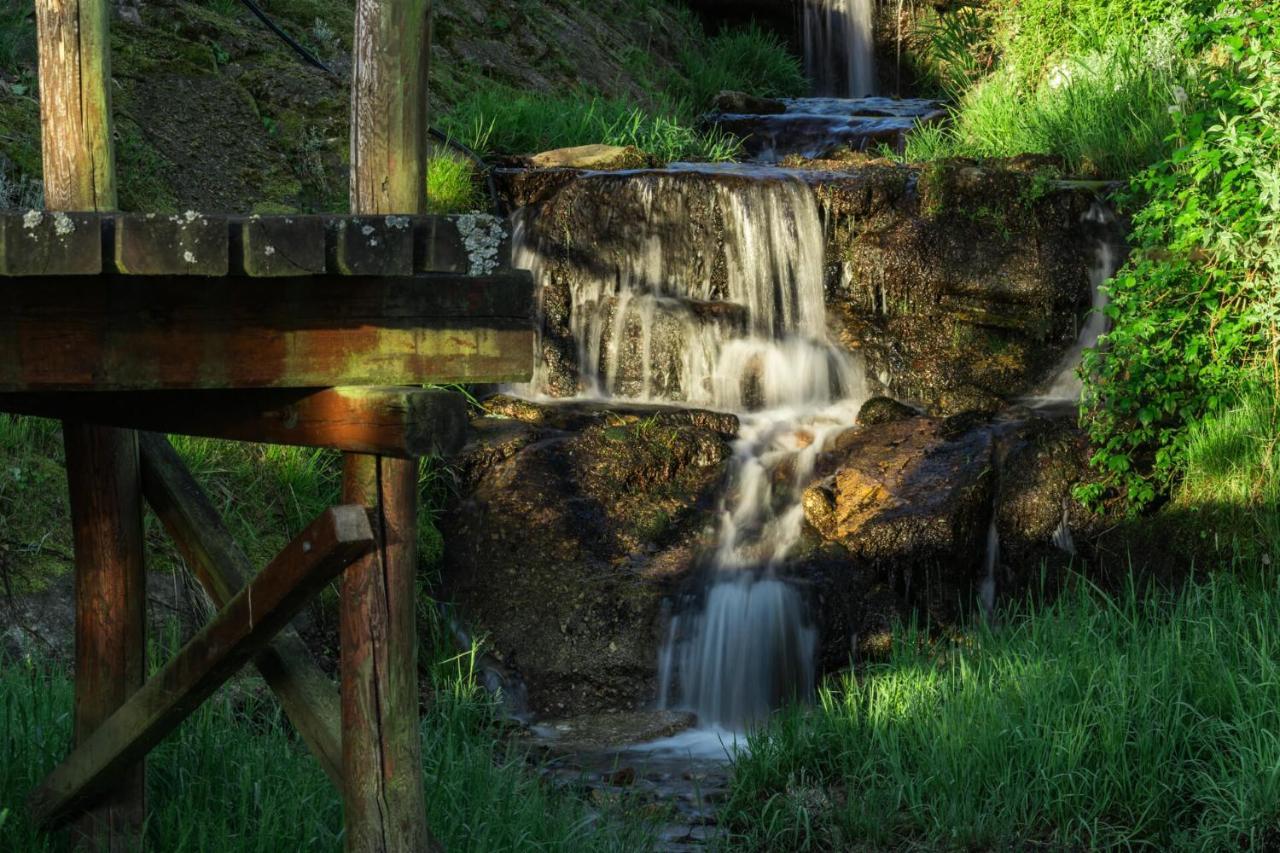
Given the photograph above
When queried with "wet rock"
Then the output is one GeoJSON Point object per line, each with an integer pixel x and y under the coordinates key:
{"type": "Point", "coordinates": [593, 157]}
{"type": "Point", "coordinates": [883, 410]}
{"type": "Point", "coordinates": [594, 732]}
{"type": "Point", "coordinates": [570, 526]}
{"type": "Point", "coordinates": [911, 506]}
{"type": "Point", "coordinates": [744, 104]}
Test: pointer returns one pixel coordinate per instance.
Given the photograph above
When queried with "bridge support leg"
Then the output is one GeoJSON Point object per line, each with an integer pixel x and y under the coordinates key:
{"type": "Point", "coordinates": [381, 747]}
{"type": "Point", "coordinates": [110, 587]}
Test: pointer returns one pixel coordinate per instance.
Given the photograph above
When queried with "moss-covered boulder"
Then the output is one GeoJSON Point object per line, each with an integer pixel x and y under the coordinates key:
{"type": "Point", "coordinates": [570, 526]}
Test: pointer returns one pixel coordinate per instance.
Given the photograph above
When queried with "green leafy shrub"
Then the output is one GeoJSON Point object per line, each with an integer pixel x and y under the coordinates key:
{"type": "Point", "coordinates": [451, 184]}
{"type": "Point", "coordinates": [1197, 308]}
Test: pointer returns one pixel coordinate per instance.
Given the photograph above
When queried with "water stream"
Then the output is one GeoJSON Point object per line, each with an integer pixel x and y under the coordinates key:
{"type": "Point", "coordinates": [839, 55]}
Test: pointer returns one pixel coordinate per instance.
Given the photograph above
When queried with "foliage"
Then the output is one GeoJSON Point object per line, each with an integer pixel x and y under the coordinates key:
{"type": "Point", "coordinates": [1104, 114]}
{"type": "Point", "coordinates": [452, 184]}
{"type": "Point", "coordinates": [748, 60]}
{"type": "Point", "coordinates": [235, 777]}
{"type": "Point", "coordinates": [960, 48]}
{"type": "Point", "coordinates": [502, 120]}
{"type": "Point", "coordinates": [1198, 306]}
{"type": "Point", "coordinates": [17, 37]}
{"type": "Point", "coordinates": [1141, 721]}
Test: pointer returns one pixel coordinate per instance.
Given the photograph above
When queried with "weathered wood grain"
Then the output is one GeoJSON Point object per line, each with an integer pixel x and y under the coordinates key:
{"type": "Point", "coordinates": [110, 616]}
{"type": "Point", "coordinates": [382, 795]}
{"type": "Point", "coordinates": [371, 245]}
{"type": "Point", "coordinates": [405, 422]}
{"type": "Point", "coordinates": [150, 333]}
{"type": "Point", "coordinates": [237, 633]}
{"type": "Point", "coordinates": [42, 243]}
{"type": "Point", "coordinates": [308, 696]}
{"type": "Point", "coordinates": [177, 244]}
{"type": "Point", "coordinates": [275, 246]}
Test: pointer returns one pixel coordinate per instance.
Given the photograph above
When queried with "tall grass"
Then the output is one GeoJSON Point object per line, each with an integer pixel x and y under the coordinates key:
{"type": "Point", "coordinates": [749, 60]}
{"type": "Point", "coordinates": [500, 120]}
{"type": "Point", "coordinates": [1146, 721]}
{"type": "Point", "coordinates": [235, 778]}
{"type": "Point", "coordinates": [1104, 113]}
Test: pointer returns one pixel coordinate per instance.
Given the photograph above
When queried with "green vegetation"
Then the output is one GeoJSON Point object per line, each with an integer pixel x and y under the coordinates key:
{"type": "Point", "coordinates": [1196, 312]}
{"type": "Point", "coordinates": [499, 119]}
{"type": "Point", "coordinates": [1145, 720]}
{"type": "Point", "coordinates": [234, 777]}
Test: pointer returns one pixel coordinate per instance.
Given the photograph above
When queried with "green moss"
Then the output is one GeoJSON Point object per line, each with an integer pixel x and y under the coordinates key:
{"type": "Point", "coordinates": [141, 171]}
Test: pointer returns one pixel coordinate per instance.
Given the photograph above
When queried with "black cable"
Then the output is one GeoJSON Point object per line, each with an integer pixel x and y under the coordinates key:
{"type": "Point", "coordinates": [314, 61]}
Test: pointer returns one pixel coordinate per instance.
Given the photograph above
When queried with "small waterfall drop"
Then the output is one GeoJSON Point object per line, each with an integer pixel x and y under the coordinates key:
{"type": "Point", "coordinates": [1066, 384]}
{"type": "Point", "coordinates": [839, 52]}
{"type": "Point", "coordinates": [990, 561]}
{"type": "Point", "coordinates": [731, 318]}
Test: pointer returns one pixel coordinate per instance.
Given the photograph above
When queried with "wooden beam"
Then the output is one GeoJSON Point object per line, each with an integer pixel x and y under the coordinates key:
{"type": "Point", "coordinates": [237, 633]}
{"type": "Point", "coordinates": [383, 796]}
{"type": "Point", "coordinates": [405, 422]}
{"type": "Point", "coordinates": [121, 333]}
{"type": "Point", "coordinates": [308, 696]}
{"type": "Point", "coordinates": [382, 766]}
{"type": "Point", "coordinates": [78, 168]}
{"type": "Point", "coordinates": [110, 609]}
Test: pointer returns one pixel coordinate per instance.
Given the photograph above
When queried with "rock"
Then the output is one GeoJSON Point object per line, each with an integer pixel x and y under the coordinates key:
{"type": "Point", "coordinates": [593, 732]}
{"type": "Point", "coordinates": [593, 157]}
{"type": "Point", "coordinates": [883, 410]}
{"type": "Point", "coordinates": [910, 505]}
{"type": "Point", "coordinates": [741, 103]}
{"type": "Point", "coordinates": [568, 529]}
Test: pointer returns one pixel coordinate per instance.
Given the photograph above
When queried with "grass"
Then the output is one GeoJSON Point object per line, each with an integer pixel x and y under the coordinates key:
{"type": "Point", "coordinates": [1104, 113]}
{"type": "Point", "coordinates": [452, 185]}
{"type": "Point", "coordinates": [235, 778]}
{"type": "Point", "coordinates": [1148, 720]}
{"type": "Point", "coordinates": [501, 120]}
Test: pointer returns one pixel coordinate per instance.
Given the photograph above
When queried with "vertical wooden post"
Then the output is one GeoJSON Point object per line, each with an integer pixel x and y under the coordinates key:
{"type": "Point", "coordinates": [102, 464]}
{"type": "Point", "coordinates": [381, 748]}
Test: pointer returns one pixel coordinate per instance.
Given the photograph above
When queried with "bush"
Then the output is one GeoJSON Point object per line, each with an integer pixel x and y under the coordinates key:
{"type": "Point", "coordinates": [749, 60]}
{"type": "Point", "coordinates": [1197, 309]}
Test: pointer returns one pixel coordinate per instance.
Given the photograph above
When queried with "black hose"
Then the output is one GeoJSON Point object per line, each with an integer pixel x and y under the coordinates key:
{"type": "Point", "coordinates": [314, 61]}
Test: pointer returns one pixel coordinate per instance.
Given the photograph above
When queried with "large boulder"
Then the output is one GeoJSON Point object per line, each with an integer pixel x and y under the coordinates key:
{"type": "Point", "coordinates": [910, 504]}
{"type": "Point", "coordinates": [571, 524]}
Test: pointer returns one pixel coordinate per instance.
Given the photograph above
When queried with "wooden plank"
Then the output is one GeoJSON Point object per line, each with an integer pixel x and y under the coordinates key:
{"type": "Point", "coordinates": [382, 794]}
{"type": "Point", "coordinates": [237, 633]}
{"type": "Point", "coordinates": [110, 616]}
{"type": "Point", "coordinates": [406, 422]}
{"type": "Point", "coordinates": [308, 696]}
{"type": "Point", "coordinates": [372, 245]}
{"type": "Point", "coordinates": [276, 246]}
{"type": "Point", "coordinates": [181, 244]}
{"type": "Point", "coordinates": [40, 243]}
{"type": "Point", "coordinates": [140, 333]}
{"type": "Point", "coordinates": [466, 244]}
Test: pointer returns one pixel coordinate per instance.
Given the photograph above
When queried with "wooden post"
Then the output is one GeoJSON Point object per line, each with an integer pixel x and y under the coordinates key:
{"type": "Point", "coordinates": [381, 748]}
{"type": "Point", "coordinates": [102, 464]}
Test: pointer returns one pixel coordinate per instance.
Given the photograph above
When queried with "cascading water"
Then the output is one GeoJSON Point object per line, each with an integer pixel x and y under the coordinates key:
{"type": "Point", "coordinates": [839, 54]}
{"type": "Point", "coordinates": [1066, 384]}
{"type": "Point", "coordinates": [731, 318]}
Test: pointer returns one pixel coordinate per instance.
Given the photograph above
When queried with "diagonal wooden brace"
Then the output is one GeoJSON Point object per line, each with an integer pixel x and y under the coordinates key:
{"type": "Point", "coordinates": [239, 631]}
{"type": "Point", "coordinates": [307, 695]}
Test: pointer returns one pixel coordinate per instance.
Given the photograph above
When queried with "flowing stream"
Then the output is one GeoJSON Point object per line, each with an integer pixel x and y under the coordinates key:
{"type": "Point", "coordinates": [648, 325]}
{"type": "Point", "coordinates": [839, 55]}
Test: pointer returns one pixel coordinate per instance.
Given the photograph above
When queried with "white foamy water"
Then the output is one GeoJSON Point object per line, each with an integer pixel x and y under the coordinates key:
{"type": "Point", "coordinates": [651, 323]}
{"type": "Point", "coordinates": [1066, 384]}
{"type": "Point", "coordinates": [839, 47]}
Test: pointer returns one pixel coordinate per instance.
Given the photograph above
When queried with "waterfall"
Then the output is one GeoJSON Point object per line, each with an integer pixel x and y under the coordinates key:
{"type": "Point", "coordinates": [990, 560]}
{"type": "Point", "coordinates": [1066, 383]}
{"type": "Point", "coordinates": [839, 53]}
{"type": "Point", "coordinates": [731, 316]}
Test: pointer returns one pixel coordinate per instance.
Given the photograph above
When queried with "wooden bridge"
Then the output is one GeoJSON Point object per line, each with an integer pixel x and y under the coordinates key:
{"type": "Point", "coordinates": [303, 330]}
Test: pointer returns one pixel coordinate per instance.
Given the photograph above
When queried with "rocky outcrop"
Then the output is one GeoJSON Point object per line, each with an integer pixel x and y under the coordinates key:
{"type": "Point", "coordinates": [598, 157]}
{"type": "Point", "coordinates": [961, 286]}
{"type": "Point", "coordinates": [571, 525]}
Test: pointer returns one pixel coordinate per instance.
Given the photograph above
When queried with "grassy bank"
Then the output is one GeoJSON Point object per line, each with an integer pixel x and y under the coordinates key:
{"type": "Point", "coordinates": [234, 777]}
{"type": "Point", "coordinates": [1141, 720]}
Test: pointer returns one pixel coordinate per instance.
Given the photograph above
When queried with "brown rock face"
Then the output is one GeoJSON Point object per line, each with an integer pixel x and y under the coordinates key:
{"type": "Point", "coordinates": [570, 527]}
{"type": "Point", "coordinates": [598, 157]}
{"type": "Point", "coordinates": [911, 504]}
